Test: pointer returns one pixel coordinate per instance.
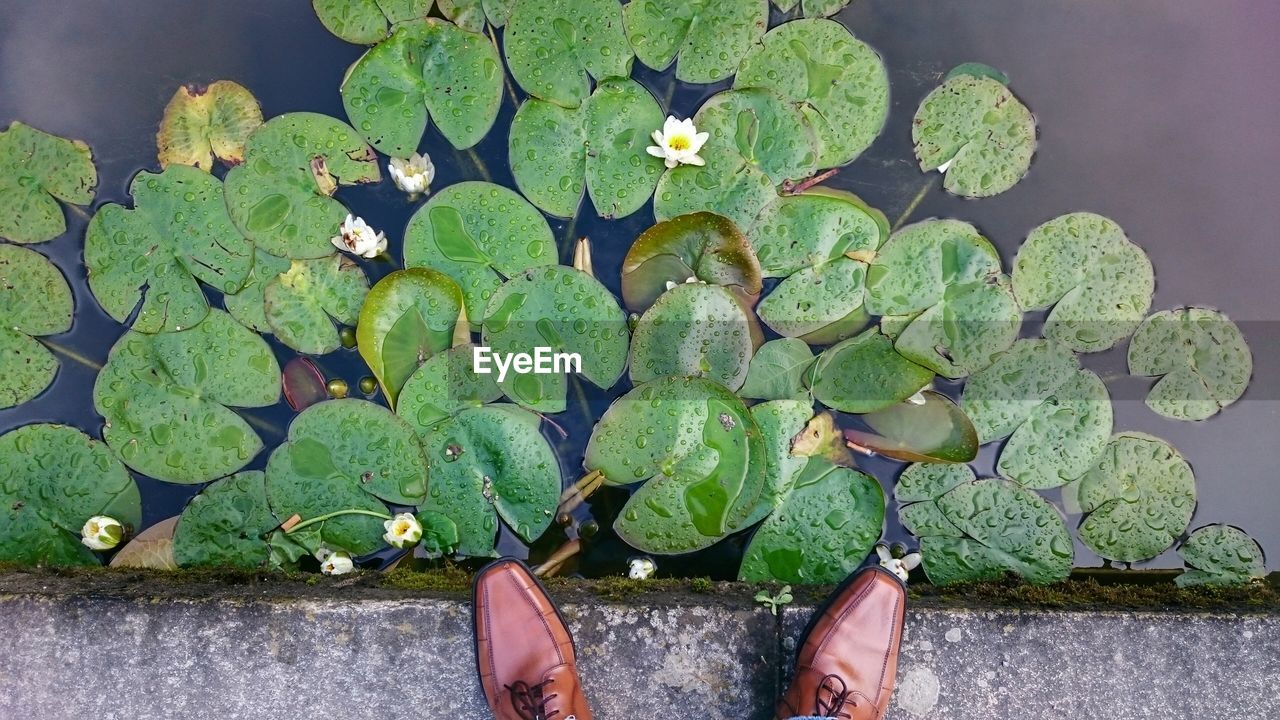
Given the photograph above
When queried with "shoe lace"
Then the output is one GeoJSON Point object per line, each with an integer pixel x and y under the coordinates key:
{"type": "Point", "coordinates": [530, 701]}
{"type": "Point", "coordinates": [831, 701]}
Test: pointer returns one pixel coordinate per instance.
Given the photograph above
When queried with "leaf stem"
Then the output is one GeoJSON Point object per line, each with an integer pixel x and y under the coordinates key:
{"type": "Point", "coordinates": [479, 163]}
{"type": "Point", "coordinates": [506, 76]}
{"type": "Point", "coordinates": [69, 353]}
{"type": "Point", "coordinates": [578, 493]}
{"type": "Point", "coordinates": [263, 424]}
{"type": "Point", "coordinates": [915, 202]}
{"type": "Point", "coordinates": [330, 516]}
{"type": "Point", "coordinates": [78, 210]}
{"type": "Point", "coordinates": [794, 188]}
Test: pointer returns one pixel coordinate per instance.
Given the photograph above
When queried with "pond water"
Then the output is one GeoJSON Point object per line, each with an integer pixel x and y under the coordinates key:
{"type": "Point", "coordinates": [1151, 113]}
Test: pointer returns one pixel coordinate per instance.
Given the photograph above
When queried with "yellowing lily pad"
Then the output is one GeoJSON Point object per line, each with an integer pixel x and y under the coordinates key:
{"type": "Point", "coordinates": [709, 39]}
{"type": "Point", "coordinates": [1202, 359]}
{"type": "Point", "coordinates": [1221, 555]}
{"type": "Point", "coordinates": [36, 171]}
{"type": "Point", "coordinates": [226, 525]}
{"type": "Point", "coordinates": [554, 49]}
{"type": "Point", "coordinates": [302, 303]}
{"type": "Point", "coordinates": [35, 300]}
{"type": "Point", "coordinates": [703, 246]}
{"type": "Point", "coordinates": [365, 22]}
{"type": "Point", "coordinates": [697, 330]}
{"type": "Point", "coordinates": [864, 374]}
{"type": "Point", "coordinates": [202, 124]}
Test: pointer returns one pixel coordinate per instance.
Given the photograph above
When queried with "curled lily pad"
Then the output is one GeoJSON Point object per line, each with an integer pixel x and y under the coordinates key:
{"type": "Point", "coordinates": [474, 14]}
{"type": "Point", "coordinates": [408, 317]}
{"type": "Point", "coordinates": [947, 276]}
{"type": "Point", "coordinates": [709, 39]}
{"type": "Point", "coordinates": [35, 300]}
{"type": "Point", "coordinates": [164, 399]}
{"type": "Point", "coordinates": [1221, 555]}
{"type": "Point", "coordinates": [600, 145]}
{"type": "Point", "coordinates": [864, 374]}
{"type": "Point", "coordinates": [1001, 397]}
{"type": "Point", "coordinates": [53, 479]}
{"type": "Point", "coordinates": [777, 370]}
{"type": "Point", "coordinates": [303, 384]}
{"type": "Point", "coordinates": [248, 306]}
{"type": "Point", "coordinates": [702, 246]}
{"type": "Point", "coordinates": [835, 79]}
{"type": "Point", "coordinates": [697, 330]}
{"type": "Point", "coordinates": [1062, 437]}
{"type": "Point", "coordinates": [202, 124]}
{"type": "Point", "coordinates": [1201, 358]}
{"type": "Point", "coordinates": [279, 196]}
{"type": "Point", "coordinates": [365, 22]}
{"type": "Point", "coordinates": [479, 234]}
{"type": "Point", "coordinates": [1139, 498]}
{"type": "Point", "coordinates": [443, 385]}
{"type": "Point", "coordinates": [930, 429]}
{"type": "Point", "coordinates": [426, 68]}
{"type": "Point", "coordinates": [1099, 284]}
{"type": "Point", "coordinates": [977, 133]}
{"type": "Point", "coordinates": [226, 524]}
{"type": "Point", "coordinates": [152, 548]}
{"type": "Point", "coordinates": [302, 304]}
{"type": "Point", "coordinates": [36, 171]}
{"type": "Point", "coordinates": [487, 463]}
{"type": "Point", "coordinates": [566, 311]}
{"type": "Point", "coordinates": [700, 453]}
{"type": "Point", "coordinates": [150, 260]}
{"type": "Point", "coordinates": [555, 48]}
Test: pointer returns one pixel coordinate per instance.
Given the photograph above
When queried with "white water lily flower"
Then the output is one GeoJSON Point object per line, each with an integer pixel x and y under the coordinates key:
{"type": "Point", "coordinates": [413, 175]}
{"type": "Point", "coordinates": [678, 142]}
{"type": "Point", "coordinates": [642, 568]}
{"type": "Point", "coordinates": [403, 531]}
{"type": "Point", "coordinates": [902, 566]}
{"type": "Point", "coordinates": [336, 563]}
{"type": "Point", "coordinates": [356, 237]}
{"type": "Point", "coordinates": [101, 533]}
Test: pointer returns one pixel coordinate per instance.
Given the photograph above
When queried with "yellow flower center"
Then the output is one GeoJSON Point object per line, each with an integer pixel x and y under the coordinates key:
{"type": "Point", "coordinates": [679, 142]}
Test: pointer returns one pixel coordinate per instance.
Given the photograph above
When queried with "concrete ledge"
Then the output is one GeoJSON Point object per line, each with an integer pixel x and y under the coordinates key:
{"type": "Point", "coordinates": [68, 651]}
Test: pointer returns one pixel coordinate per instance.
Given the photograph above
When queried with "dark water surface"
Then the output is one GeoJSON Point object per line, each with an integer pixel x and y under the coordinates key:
{"type": "Point", "coordinates": [1159, 114]}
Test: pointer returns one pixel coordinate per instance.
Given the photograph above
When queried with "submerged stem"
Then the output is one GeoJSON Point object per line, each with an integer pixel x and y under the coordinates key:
{"type": "Point", "coordinates": [558, 558]}
{"type": "Point", "coordinates": [915, 202]}
{"type": "Point", "coordinates": [578, 493]}
{"type": "Point", "coordinates": [506, 76]}
{"type": "Point", "coordinates": [479, 163]}
{"type": "Point", "coordinates": [69, 353]}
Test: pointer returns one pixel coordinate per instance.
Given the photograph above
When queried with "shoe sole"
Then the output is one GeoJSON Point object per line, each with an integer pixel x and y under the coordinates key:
{"type": "Point", "coordinates": [475, 584]}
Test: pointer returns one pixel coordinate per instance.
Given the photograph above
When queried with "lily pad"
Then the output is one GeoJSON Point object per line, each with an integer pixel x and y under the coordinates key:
{"type": "Point", "coordinates": [248, 306]}
{"type": "Point", "coordinates": [946, 275]}
{"type": "Point", "coordinates": [53, 479]}
{"type": "Point", "coordinates": [1000, 398]}
{"type": "Point", "coordinates": [864, 374]}
{"type": "Point", "coordinates": [35, 300]}
{"type": "Point", "coordinates": [703, 246]}
{"type": "Point", "coordinates": [474, 14]}
{"type": "Point", "coordinates": [931, 429]}
{"type": "Point", "coordinates": [1099, 284]}
{"type": "Point", "coordinates": [555, 48]}
{"type": "Point", "coordinates": [977, 133]}
{"type": "Point", "coordinates": [365, 22]}
{"type": "Point", "coordinates": [280, 197]}
{"type": "Point", "coordinates": [1221, 555]}
{"type": "Point", "coordinates": [151, 549]}
{"type": "Point", "coordinates": [202, 124]}
{"type": "Point", "coordinates": [566, 311]}
{"type": "Point", "coordinates": [780, 422]}
{"type": "Point", "coordinates": [165, 398]}
{"type": "Point", "coordinates": [442, 386]}
{"type": "Point", "coordinates": [836, 80]}
{"type": "Point", "coordinates": [1202, 359]}
{"type": "Point", "coordinates": [409, 317]}
{"type": "Point", "coordinates": [226, 525]}
{"type": "Point", "coordinates": [1062, 437]}
{"type": "Point", "coordinates": [697, 330]}
{"type": "Point", "coordinates": [302, 304]}
{"type": "Point", "coordinates": [479, 234]}
{"type": "Point", "coordinates": [427, 68]}
{"type": "Point", "coordinates": [777, 371]}
{"type": "Point", "coordinates": [600, 145]}
{"type": "Point", "coordinates": [710, 39]}
{"type": "Point", "coordinates": [36, 171]}
{"type": "Point", "coordinates": [487, 463]}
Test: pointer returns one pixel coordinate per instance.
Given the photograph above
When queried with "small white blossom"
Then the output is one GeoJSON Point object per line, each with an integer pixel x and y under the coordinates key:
{"type": "Point", "coordinates": [335, 563]}
{"type": "Point", "coordinates": [403, 531]}
{"type": "Point", "coordinates": [413, 175]}
{"type": "Point", "coordinates": [642, 568]}
{"type": "Point", "coordinates": [356, 237]}
{"type": "Point", "coordinates": [101, 533]}
{"type": "Point", "coordinates": [901, 567]}
{"type": "Point", "coordinates": [678, 143]}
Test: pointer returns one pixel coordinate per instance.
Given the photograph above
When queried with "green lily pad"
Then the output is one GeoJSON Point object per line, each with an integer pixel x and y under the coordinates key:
{"type": "Point", "coordinates": [836, 80]}
{"type": "Point", "coordinates": [777, 370]}
{"type": "Point", "coordinates": [947, 275]}
{"type": "Point", "coordinates": [933, 429]}
{"type": "Point", "coordinates": [820, 8]}
{"type": "Point", "coordinates": [725, 186]}
{"type": "Point", "coordinates": [408, 317]}
{"type": "Point", "coordinates": [443, 385]}
{"type": "Point", "coordinates": [700, 245]}
{"type": "Point", "coordinates": [151, 260]}
{"type": "Point", "coordinates": [202, 124]}
{"type": "Point", "coordinates": [487, 463]}
{"type": "Point", "coordinates": [479, 234]}
{"type": "Point", "coordinates": [600, 145]}
{"type": "Point", "coordinates": [427, 68]}
{"type": "Point", "coordinates": [164, 399]}
{"type": "Point", "coordinates": [710, 39]}
{"type": "Point", "coordinates": [35, 300]}
{"type": "Point", "coordinates": [248, 306]}
{"type": "Point", "coordinates": [697, 330]}
{"type": "Point", "coordinates": [864, 374]}
{"type": "Point", "coordinates": [36, 171]}
{"type": "Point", "coordinates": [1202, 359]}
{"type": "Point", "coordinates": [828, 522]}
{"type": "Point", "coordinates": [700, 452]}
{"type": "Point", "coordinates": [1000, 398]}
{"type": "Point", "coordinates": [474, 14]}
{"type": "Point", "coordinates": [439, 534]}
{"type": "Point", "coordinates": [567, 311]}
{"type": "Point", "coordinates": [302, 304]}
{"type": "Point", "coordinates": [1062, 437]}
{"type": "Point", "coordinates": [365, 22]}
{"type": "Point", "coordinates": [226, 525]}
{"type": "Point", "coordinates": [555, 48]}
{"type": "Point", "coordinates": [1221, 555]}
{"type": "Point", "coordinates": [1099, 284]}
{"type": "Point", "coordinates": [53, 479]}
{"type": "Point", "coordinates": [974, 130]}
{"type": "Point", "coordinates": [780, 422]}
{"type": "Point", "coordinates": [280, 196]}
{"type": "Point", "coordinates": [1139, 498]}
{"type": "Point", "coordinates": [346, 455]}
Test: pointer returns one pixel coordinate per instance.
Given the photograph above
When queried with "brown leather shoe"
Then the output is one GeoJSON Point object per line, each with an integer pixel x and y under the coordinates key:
{"type": "Point", "coordinates": [524, 651]}
{"type": "Point", "coordinates": [848, 661]}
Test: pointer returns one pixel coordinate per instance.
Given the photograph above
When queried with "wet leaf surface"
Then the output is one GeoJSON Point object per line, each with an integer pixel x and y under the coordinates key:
{"type": "Point", "coordinates": [302, 304]}
{"type": "Point", "coordinates": [934, 429]}
{"type": "Point", "coordinates": [554, 49]}
{"type": "Point", "coordinates": [697, 330]}
{"type": "Point", "coordinates": [777, 371]}
{"type": "Point", "coordinates": [1200, 356]}
{"type": "Point", "coordinates": [864, 374]}
{"type": "Point", "coordinates": [780, 422]}
{"type": "Point", "coordinates": [152, 548]}
{"type": "Point", "coordinates": [1062, 437]}
{"type": "Point", "coordinates": [408, 317]}
{"type": "Point", "coordinates": [365, 22]}
{"type": "Point", "coordinates": [202, 124]}
{"type": "Point", "coordinates": [226, 525]}
{"type": "Point", "coordinates": [35, 301]}
{"type": "Point", "coordinates": [701, 245]}
{"type": "Point", "coordinates": [36, 171]}
{"type": "Point", "coordinates": [248, 306]}
{"type": "Point", "coordinates": [706, 40]}
{"type": "Point", "coordinates": [443, 385]}
{"type": "Point", "coordinates": [1221, 555]}
{"type": "Point", "coordinates": [1001, 397]}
